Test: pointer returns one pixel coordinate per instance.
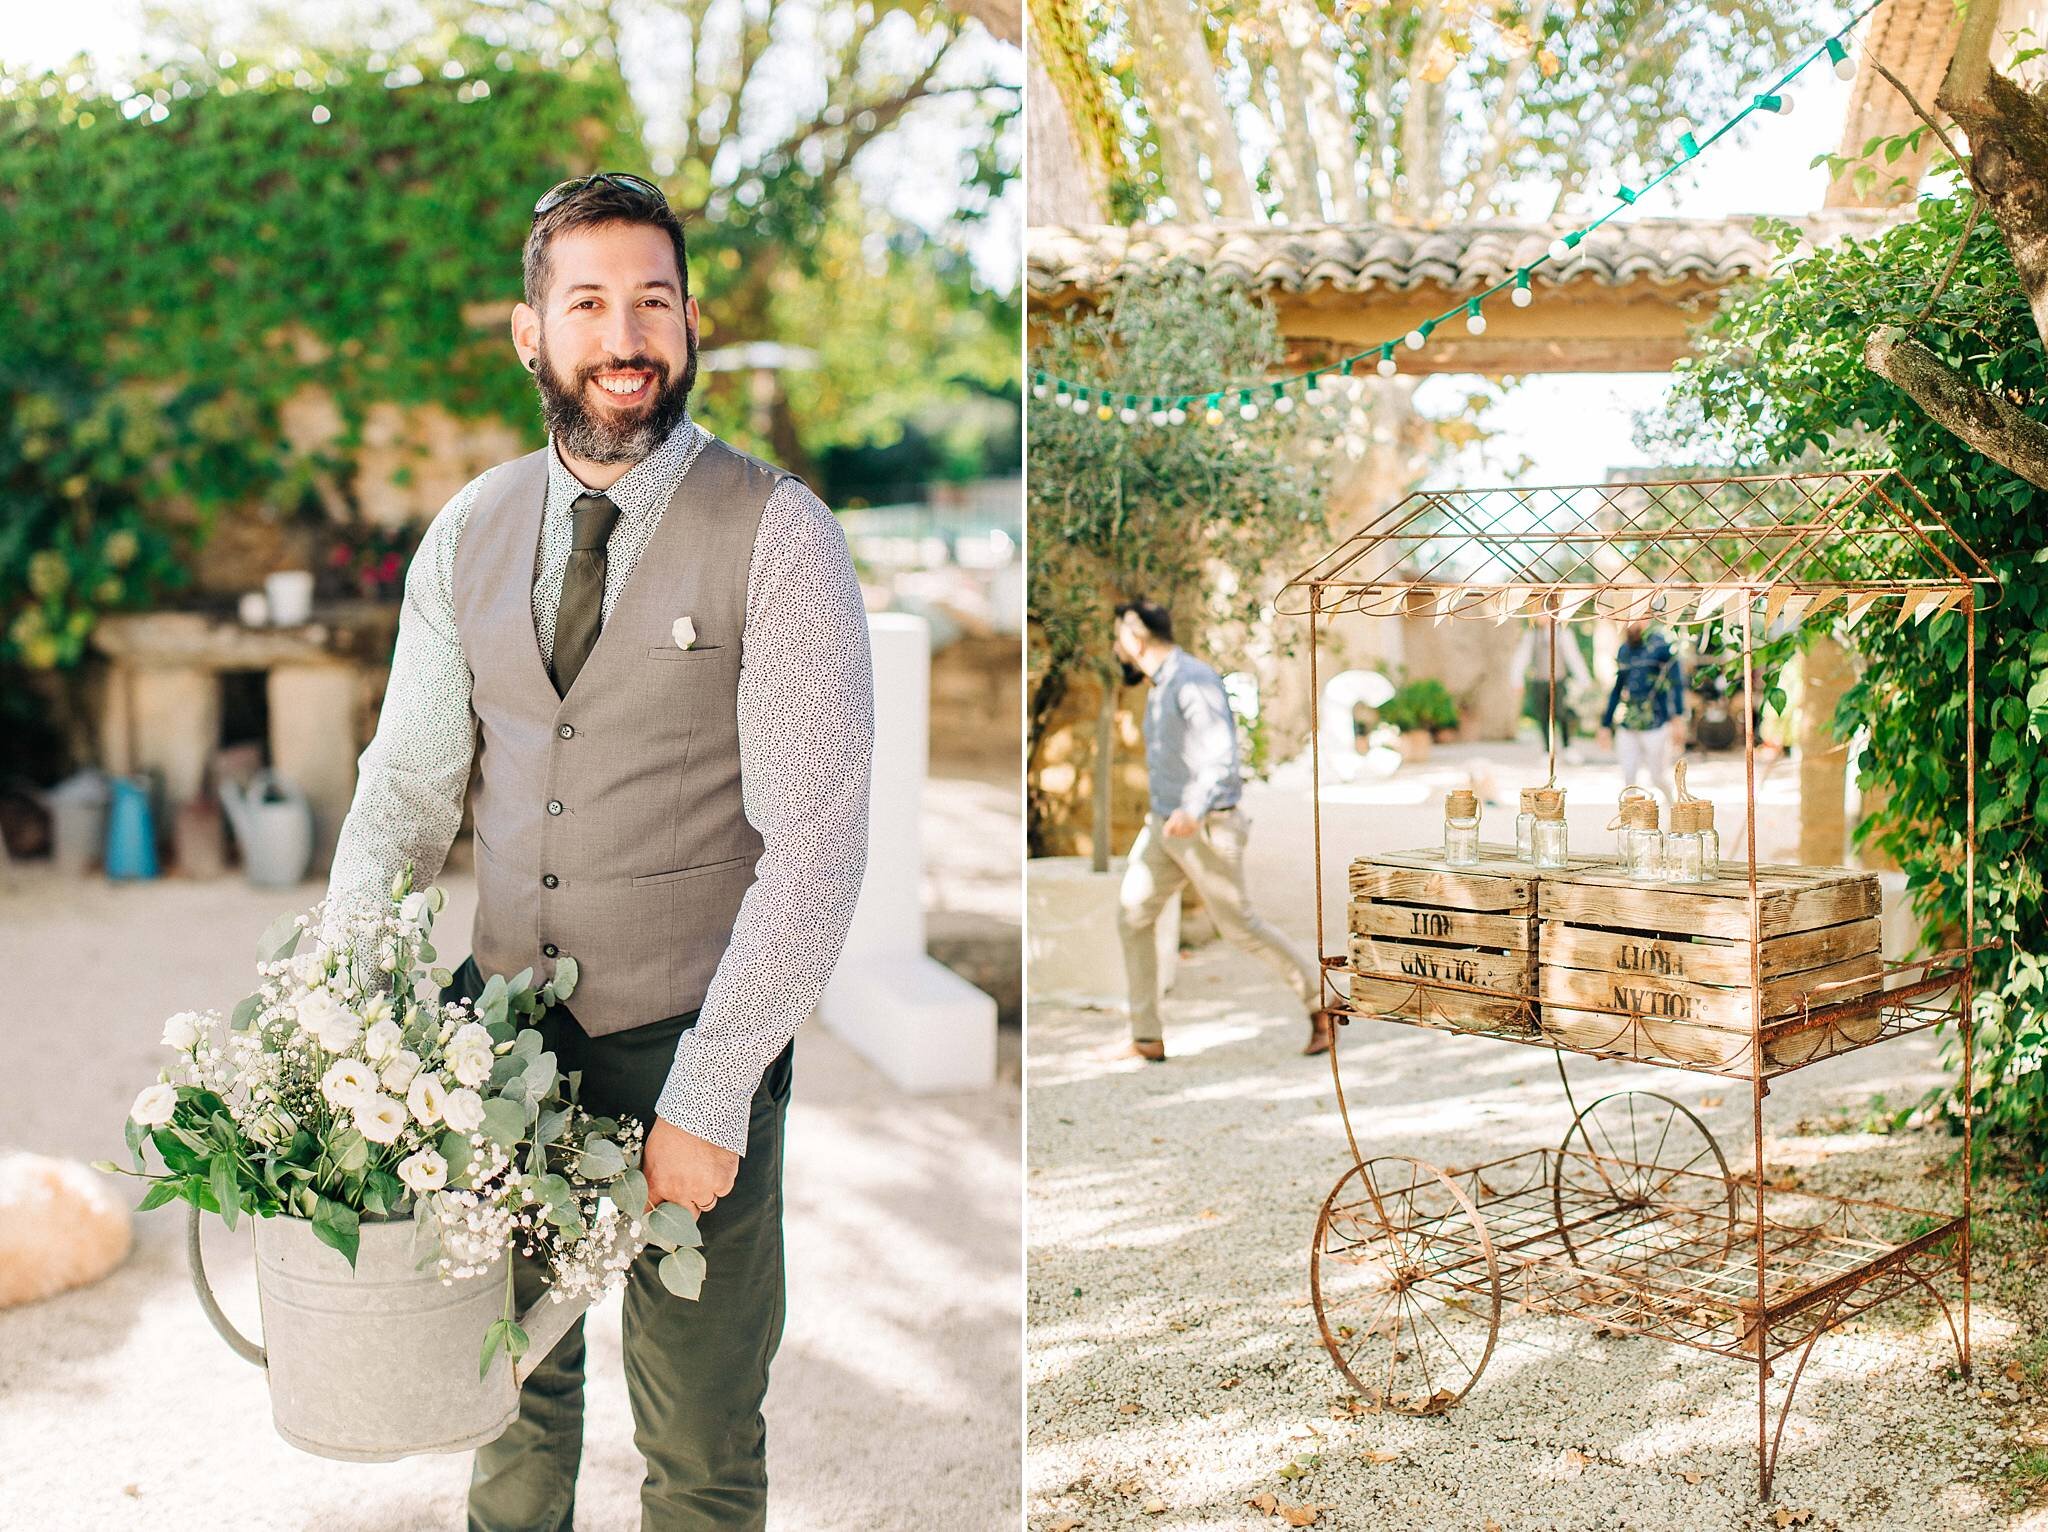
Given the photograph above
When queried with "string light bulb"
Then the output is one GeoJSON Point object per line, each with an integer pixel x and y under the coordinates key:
{"type": "Point", "coordinates": [1385, 367]}
{"type": "Point", "coordinates": [1038, 389]}
{"type": "Point", "coordinates": [1419, 336]}
{"type": "Point", "coordinates": [1521, 297]}
{"type": "Point", "coordinates": [1214, 417]}
{"type": "Point", "coordinates": [1176, 416]}
{"type": "Point", "coordinates": [1104, 412]}
{"type": "Point", "coordinates": [1313, 394]}
{"type": "Point", "coordinates": [1845, 67]}
{"type": "Point", "coordinates": [1081, 405]}
{"type": "Point", "coordinates": [1127, 415]}
{"type": "Point", "coordinates": [1772, 102]}
{"type": "Point", "coordinates": [1475, 322]}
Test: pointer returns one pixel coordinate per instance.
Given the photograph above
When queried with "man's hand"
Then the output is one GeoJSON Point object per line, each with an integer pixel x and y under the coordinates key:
{"type": "Point", "coordinates": [1605, 738]}
{"type": "Point", "coordinates": [1180, 824]}
{"type": "Point", "coordinates": [681, 1167]}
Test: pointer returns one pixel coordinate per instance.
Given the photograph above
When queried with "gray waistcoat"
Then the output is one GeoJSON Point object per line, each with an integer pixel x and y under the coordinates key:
{"type": "Point", "coordinates": [626, 792]}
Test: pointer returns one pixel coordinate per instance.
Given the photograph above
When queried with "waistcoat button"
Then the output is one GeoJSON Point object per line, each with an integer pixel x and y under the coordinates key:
{"type": "Point", "coordinates": [566, 731]}
{"type": "Point", "coordinates": [550, 950]}
{"type": "Point", "coordinates": [554, 805]}
{"type": "Point", "coordinates": [549, 880]}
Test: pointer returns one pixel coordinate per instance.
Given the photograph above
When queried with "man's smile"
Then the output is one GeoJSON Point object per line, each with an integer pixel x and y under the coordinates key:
{"type": "Point", "coordinates": [624, 387]}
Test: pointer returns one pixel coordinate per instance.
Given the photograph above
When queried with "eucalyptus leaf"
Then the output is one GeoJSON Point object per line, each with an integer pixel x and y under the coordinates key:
{"type": "Point", "coordinates": [564, 981]}
{"type": "Point", "coordinates": [682, 1271]}
{"type": "Point", "coordinates": [554, 1190]}
{"type": "Point", "coordinates": [504, 1122]}
{"type": "Point", "coordinates": [671, 1225]}
{"type": "Point", "coordinates": [280, 939]}
{"type": "Point", "coordinates": [550, 1125]}
{"type": "Point", "coordinates": [250, 1007]}
{"type": "Point", "coordinates": [337, 1224]}
{"type": "Point", "coordinates": [226, 1195]}
{"type": "Point", "coordinates": [602, 1159]}
{"type": "Point", "coordinates": [134, 1133]}
{"type": "Point", "coordinates": [629, 1194]}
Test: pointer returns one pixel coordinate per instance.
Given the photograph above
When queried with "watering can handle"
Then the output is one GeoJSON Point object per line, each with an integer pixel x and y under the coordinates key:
{"type": "Point", "coordinates": [244, 1348]}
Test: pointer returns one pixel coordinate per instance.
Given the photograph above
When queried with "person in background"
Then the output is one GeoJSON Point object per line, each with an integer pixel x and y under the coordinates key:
{"type": "Point", "coordinates": [1540, 700]}
{"type": "Point", "coordinates": [1195, 832]}
{"type": "Point", "coordinates": [1645, 713]}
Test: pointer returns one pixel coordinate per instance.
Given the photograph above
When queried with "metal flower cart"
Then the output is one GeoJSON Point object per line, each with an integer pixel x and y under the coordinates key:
{"type": "Point", "coordinates": [1636, 1221]}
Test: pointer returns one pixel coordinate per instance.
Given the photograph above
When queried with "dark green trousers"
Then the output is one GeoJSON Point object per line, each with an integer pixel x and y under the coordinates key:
{"type": "Point", "coordinates": [696, 1372]}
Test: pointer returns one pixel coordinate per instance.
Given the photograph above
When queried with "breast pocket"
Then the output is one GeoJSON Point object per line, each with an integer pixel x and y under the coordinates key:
{"type": "Point", "coordinates": [670, 652]}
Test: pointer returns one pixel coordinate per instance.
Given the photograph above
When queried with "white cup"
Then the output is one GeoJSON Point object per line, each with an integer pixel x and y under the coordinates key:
{"type": "Point", "coordinates": [291, 597]}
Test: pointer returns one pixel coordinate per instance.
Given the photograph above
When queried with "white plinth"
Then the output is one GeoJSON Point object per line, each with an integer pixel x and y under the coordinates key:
{"type": "Point", "coordinates": [1073, 954]}
{"type": "Point", "coordinates": [916, 1020]}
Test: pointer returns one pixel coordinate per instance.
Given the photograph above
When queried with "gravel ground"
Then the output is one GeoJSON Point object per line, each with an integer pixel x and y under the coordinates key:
{"type": "Point", "coordinates": [1175, 1371]}
{"type": "Point", "coordinates": [895, 1390]}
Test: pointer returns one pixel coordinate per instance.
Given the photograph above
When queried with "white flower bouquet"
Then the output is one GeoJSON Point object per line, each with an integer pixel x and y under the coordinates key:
{"type": "Point", "coordinates": [345, 1089]}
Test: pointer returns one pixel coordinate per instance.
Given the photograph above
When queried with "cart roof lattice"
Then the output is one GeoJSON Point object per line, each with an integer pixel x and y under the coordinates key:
{"type": "Point", "coordinates": [1670, 549]}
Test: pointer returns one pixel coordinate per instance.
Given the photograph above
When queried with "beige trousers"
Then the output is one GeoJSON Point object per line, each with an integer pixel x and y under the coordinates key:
{"type": "Point", "coordinates": [1212, 859]}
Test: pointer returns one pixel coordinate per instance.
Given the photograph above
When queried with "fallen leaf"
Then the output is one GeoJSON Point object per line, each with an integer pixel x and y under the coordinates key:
{"type": "Point", "coordinates": [1573, 1458]}
{"type": "Point", "coordinates": [1292, 1471]}
{"type": "Point", "coordinates": [1785, 1517]}
{"type": "Point", "coordinates": [1299, 1515]}
{"type": "Point", "coordinates": [1178, 1326]}
{"type": "Point", "coordinates": [1129, 1407]}
{"type": "Point", "coordinates": [1127, 1487]}
{"type": "Point", "coordinates": [1708, 1103]}
{"type": "Point", "coordinates": [1265, 1501]}
{"type": "Point", "coordinates": [1209, 1213]}
{"type": "Point", "coordinates": [132, 1491]}
{"type": "Point", "coordinates": [1155, 1507]}
{"type": "Point", "coordinates": [1692, 1476]}
{"type": "Point", "coordinates": [1230, 1383]}
{"type": "Point", "coordinates": [1490, 1525]}
{"type": "Point", "coordinates": [1067, 1524]}
{"type": "Point", "coordinates": [1377, 1455]}
{"type": "Point", "coordinates": [2014, 1373]}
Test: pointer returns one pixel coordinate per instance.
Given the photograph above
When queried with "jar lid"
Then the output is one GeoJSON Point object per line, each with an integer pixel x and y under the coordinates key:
{"type": "Point", "coordinates": [1549, 802]}
{"type": "Point", "coordinates": [1639, 813]}
{"type": "Point", "coordinates": [1461, 803]}
{"type": "Point", "coordinates": [1691, 816]}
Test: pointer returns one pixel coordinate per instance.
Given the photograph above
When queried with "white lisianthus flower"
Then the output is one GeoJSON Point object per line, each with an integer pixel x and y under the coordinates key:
{"type": "Point", "coordinates": [399, 1070]}
{"type": "Point", "coordinates": [380, 1118]}
{"type": "Point", "coordinates": [471, 1034]}
{"type": "Point", "coordinates": [154, 1106]}
{"type": "Point", "coordinates": [425, 1171]}
{"type": "Point", "coordinates": [471, 1067]}
{"type": "Point", "coordinates": [427, 1100]}
{"type": "Point", "coordinates": [463, 1111]}
{"type": "Point", "coordinates": [382, 1040]}
{"type": "Point", "coordinates": [347, 1082]}
{"type": "Point", "coordinates": [181, 1032]}
{"type": "Point", "coordinates": [412, 909]}
{"type": "Point", "coordinates": [330, 1024]}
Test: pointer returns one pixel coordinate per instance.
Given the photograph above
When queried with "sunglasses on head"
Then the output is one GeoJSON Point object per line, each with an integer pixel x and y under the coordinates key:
{"type": "Point", "coordinates": [631, 184]}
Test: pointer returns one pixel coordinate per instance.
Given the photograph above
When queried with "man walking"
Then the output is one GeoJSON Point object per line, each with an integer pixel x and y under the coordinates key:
{"type": "Point", "coordinates": [1645, 713]}
{"type": "Point", "coordinates": [647, 654]}
{"type": "Point", "coordinates": [1195, 832]}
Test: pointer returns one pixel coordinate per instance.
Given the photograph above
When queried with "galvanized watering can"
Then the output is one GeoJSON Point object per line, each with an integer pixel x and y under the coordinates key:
{"type": "Point", "coordinates": [379, 1363]}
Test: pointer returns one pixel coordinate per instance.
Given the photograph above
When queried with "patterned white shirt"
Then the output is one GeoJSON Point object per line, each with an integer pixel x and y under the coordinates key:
{"type": "Point", "coordinates": [806, 729]}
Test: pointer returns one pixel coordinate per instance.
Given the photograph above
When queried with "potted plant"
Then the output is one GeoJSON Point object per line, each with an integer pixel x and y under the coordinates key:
{"type": "Point", "coordinates": [1423, 711]}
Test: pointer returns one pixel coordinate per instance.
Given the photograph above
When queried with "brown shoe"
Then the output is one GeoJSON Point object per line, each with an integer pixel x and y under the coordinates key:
{"type": "Point", "coordinates": [1322, 1031]}
{"type": "Point", "coordinates": [1152, 1052]}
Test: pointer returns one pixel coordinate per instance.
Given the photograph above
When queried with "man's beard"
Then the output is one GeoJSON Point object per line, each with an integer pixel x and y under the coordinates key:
{"type": "Point", "coordinates": [581, 431]}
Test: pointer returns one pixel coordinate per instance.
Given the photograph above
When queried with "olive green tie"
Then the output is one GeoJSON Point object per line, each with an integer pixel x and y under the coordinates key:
{"type": "Point", "coordinates": [582, 609]}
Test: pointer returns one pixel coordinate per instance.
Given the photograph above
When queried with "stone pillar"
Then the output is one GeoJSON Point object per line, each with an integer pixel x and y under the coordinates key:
{"type": "Point", "coordinates": [162, 719]}
{"type": "Point", "coordinates": [313, 743]}
{"type": "Point", "coordinates": [1823, 759]}
{"type": "Point", "coordinates": [914, 1019]}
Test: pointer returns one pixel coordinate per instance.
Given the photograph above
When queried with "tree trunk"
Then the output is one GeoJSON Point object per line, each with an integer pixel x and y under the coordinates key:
{"type": "Point", "coordinates": [1196, 102]}
{"type": "Point", "coordinates": [1983, 421]}
{"type": "Point", "coordinates": [1105, 775]}
{"type": "Point", "coordinates": [1067, 122]}
{"type": "Point", "coordinates": [2008, 132]}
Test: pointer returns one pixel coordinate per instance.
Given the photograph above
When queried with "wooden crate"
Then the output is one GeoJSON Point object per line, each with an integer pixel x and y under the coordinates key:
{"type": "Point", "coordinates": [1415, 921]}
{"type": "Point", "coordinates": [1677, 955]}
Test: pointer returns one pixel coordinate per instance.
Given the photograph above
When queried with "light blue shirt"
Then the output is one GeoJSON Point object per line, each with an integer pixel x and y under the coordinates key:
{"type": "Point", "coordinates": [1190, 739]}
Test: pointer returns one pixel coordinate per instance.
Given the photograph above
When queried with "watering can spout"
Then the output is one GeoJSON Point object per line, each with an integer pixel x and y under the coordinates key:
{"type": "Point", "coordinates": [545, 1324]}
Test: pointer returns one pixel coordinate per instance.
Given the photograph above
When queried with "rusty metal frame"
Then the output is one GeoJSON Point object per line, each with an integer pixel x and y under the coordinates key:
{"type": "Point", "coordinates": [1756, 1285]}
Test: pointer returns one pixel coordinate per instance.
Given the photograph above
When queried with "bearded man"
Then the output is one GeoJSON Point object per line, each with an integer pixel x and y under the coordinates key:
{"type": "Point", "coordinates": [646, 654]}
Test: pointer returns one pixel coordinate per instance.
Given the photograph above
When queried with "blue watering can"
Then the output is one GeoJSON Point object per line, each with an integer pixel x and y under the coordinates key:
{"type": "Point", "coordinates": [131, 831]}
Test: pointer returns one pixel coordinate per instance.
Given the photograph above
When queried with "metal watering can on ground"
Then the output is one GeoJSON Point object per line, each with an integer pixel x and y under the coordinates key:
{"type": "Point", "coordinates": [274, 825]}
{"type": "Point", "coordinates": [378, 1363]}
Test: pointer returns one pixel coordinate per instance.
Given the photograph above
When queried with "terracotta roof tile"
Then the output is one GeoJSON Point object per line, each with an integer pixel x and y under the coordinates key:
{"type": "Point", "coordinates": [1355, 258]}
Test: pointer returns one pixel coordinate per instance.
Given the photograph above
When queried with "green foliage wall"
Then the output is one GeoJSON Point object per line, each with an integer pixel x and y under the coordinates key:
{"type": "Point", "coordinates": [172, 270]}
{"type": "Point", "coordinates": [1780, 380]}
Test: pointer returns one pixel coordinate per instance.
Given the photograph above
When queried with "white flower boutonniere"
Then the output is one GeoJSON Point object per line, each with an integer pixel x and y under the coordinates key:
{"type": "Point", "coordinates": [685, 632]}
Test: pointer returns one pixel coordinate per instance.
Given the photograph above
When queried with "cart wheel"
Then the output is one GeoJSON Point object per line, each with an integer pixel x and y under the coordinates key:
{"type": "Point", "coordinates": [1405, 1284]}
{"type": "Point", "coordinates": [1639, 1152]}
